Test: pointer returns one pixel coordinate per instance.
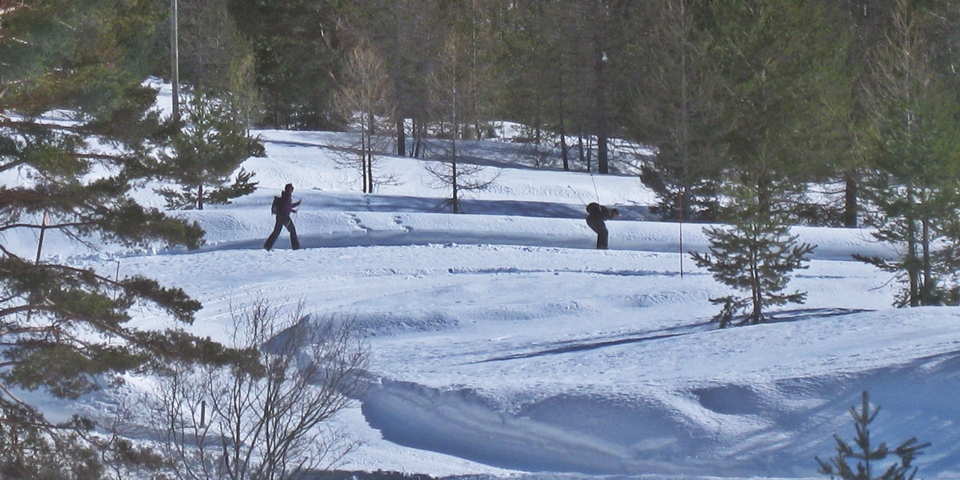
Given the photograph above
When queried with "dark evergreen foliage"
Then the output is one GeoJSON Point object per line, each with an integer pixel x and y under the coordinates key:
{"type": "Point", "coordinates": [64, 329]}
{"type": "Point", "coordinates": [298, 53]}
{"type": "Point", "coordinates": [697, 202]}
{"type": "Point", "coordinates": [29, 449]}
{"type": "Point", "coordinates": [868, 456]}
{"type": "Point", "coordinates": [206, 152]}
{"type": "Point", "coordinates": [678, 109]}
{"type": "Point", "coordinates": [754, 255]}
{"type": "Point", "coordinates": [911, 139]}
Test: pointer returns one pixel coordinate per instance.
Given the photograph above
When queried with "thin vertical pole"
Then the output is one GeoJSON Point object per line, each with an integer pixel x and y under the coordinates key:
{"type": "Point", "coordinates": [681, 233]}
{"type": "Point", "coordinates": [175, 59]}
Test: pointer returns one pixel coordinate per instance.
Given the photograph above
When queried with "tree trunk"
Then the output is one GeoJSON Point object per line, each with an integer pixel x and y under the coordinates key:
{"type": "Point", "coordinates": [563, 148]}
{"type": "Point", "coordinates": [563, 128]}
{"type": "Point", "coordinates": [912, 259]}
{"type": "Point", "coordinates": [927, 290]}
{"type": "Point", "coordinates": [851, 205]}
{"type": "Point", "coordinates": [757, 291]}
{"type": "Point", "coordinates": [453, 171]}
{"type": "Point", "coordinates": [599, 70]}
{"type": "Point", "coordinates": [364, 155]}
{"type": "Point", "coordinates": [603, 165]}
{"type": "Point", "coordinates": [583, 158]}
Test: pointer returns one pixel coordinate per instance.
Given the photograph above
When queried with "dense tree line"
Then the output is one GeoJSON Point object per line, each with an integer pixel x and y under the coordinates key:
{"type": "Point", "coordinates": [704, 82]}
{"type": "Point", "coordinates": [838, 113]}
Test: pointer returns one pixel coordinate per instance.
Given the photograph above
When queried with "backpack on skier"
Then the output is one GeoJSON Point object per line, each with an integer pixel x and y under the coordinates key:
{"type": "Point", "coordinates": [275, 208]}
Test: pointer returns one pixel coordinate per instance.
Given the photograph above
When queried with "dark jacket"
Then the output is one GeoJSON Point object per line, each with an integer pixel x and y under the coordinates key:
{"type": "Point", "coordinates": [599, 213]}
{"type": "Point", "coordinates": [287, 205]}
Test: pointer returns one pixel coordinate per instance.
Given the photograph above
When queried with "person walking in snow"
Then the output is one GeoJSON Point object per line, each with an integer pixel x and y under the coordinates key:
{"type": "Point", "coordinates": [283, 206]}
{"type": "Point", "coordinates": [597, 215]}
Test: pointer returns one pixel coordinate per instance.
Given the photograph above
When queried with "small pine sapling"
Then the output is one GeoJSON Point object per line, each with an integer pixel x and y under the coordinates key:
{"type": "Point", "coordinates": [869, 458]}
{"type": "Point", "coordinates": [754, 255]}
{"type": "Point", "coordinates": [204, 154]}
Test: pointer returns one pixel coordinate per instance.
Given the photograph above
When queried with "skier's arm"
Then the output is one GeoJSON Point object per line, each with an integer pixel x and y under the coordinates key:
{"type": "Point", "coordinates": [605, 213]}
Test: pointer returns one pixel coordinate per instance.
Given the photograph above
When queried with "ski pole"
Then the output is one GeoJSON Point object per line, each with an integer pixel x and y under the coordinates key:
{"type": "Point", "coordinates": [577, 194]}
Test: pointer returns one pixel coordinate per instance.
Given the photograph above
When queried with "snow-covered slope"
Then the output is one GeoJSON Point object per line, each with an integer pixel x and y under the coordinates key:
{"type": "Point", "coordinates": [502, 343]}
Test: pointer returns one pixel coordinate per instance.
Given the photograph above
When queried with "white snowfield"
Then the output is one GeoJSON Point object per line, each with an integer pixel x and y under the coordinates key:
{"type": "Point", "coordinates": [502, 343]}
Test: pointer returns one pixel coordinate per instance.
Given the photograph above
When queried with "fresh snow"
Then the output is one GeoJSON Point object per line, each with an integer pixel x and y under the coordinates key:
{"type": "Point", "coordinates": [503, 344]}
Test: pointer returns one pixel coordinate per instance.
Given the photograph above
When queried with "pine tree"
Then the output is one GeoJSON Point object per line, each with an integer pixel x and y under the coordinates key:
{"type": "Point", "coordinates": [772, 62]}
{"type": "Point", "coordinates": [677, 109]}
{"type": "Point", "coordinates": [869, 457]}
{"type": "Point", "coordinates": [913, 142]}
{"type": "Point", "coordinates": [206, 152]}
{"type": "Point", "coordinates": [211, 47]}
{"type": "Point", "coordinates": [66, 329]}
{"type": "Point", "coordinates": [754, 255]}
{"type": "Point", "coordinates": [298, 53]}
{"type": "Point", "coordinates": [780, 63]}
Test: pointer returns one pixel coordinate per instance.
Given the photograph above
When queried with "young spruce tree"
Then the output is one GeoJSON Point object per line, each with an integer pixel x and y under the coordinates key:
{"type": "Point", "coordinates": [871, 458]}
{"type": "Point", "coordinates": [775, 59]}
{"type": "Point", "coordinates": [755, 254]}
{"type": "Point", "coordinates": [205, 152]}
{"type": "Point", "coordinates": [66, 329]}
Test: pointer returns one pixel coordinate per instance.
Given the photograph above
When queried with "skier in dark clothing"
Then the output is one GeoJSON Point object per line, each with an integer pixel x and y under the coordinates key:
{"type": "Point", "coordinates": [285, 207]}
{"type": "Point", "coordinates": [597, 215]}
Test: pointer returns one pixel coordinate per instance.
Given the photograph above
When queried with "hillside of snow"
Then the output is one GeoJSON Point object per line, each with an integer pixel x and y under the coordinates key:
{"type": "Point", "coordinates": [503, 344]}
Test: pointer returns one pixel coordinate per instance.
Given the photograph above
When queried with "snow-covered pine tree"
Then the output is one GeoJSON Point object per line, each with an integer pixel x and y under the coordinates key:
{"type": "Point", "coordinates": [755, 254]}
{"type": "Point", "coordinates": [870, 457]}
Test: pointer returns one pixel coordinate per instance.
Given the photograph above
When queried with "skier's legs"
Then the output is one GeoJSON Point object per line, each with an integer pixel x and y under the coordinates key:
{"type": "Point", "coordinates": [602, 237]}
{"type": "Point", "coordinates": [600, 227]}
{"type": "Point", "coordinates": [294, 241]}
{"type": "Point", "coordinates": [277, 228]}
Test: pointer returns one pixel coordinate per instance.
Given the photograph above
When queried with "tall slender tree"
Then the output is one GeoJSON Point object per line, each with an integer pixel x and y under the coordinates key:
{"type": "Point", "coordinates": [678, 110]}
{"type": "Point", "coordinates": [449, 97]}
{"type": "Point", "coordinates": [366, 99]}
